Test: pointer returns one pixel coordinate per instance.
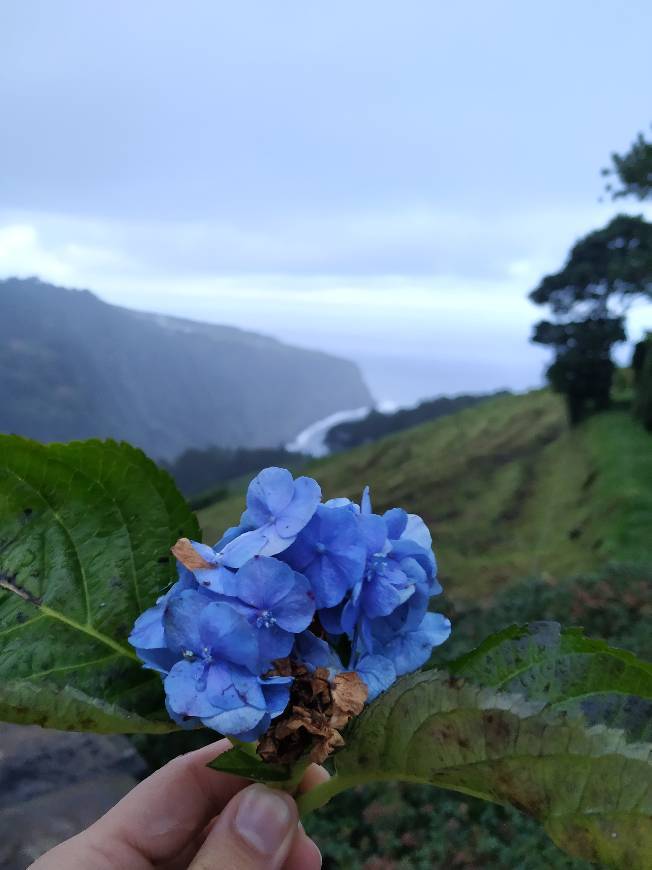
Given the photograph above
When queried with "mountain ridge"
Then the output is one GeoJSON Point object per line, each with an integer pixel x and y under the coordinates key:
{"type": "Point", "coordinates": [73, 366]}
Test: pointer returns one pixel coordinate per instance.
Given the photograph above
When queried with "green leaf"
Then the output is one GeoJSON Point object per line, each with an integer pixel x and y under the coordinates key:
{"type": "Point", "coordinates": [569, 672]}
{"type": "Point", "coordinates": [85, 533]}
{"type": "Point", "coordinates": [589, 786]}
{"type": "Point", "coordinates": [242, 761]}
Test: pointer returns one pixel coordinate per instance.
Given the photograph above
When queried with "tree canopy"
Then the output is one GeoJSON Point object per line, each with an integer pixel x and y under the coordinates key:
{"type": "Point", "coordinates": [604, 272]}
{"type": "Point", "coordinates": [633, 169]}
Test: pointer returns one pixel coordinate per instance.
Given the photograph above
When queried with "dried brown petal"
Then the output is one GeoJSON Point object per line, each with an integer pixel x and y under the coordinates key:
{"type": "Point", "coordinates": [184, 551]}
{"type": "Point", "coordinates": [317, 709]}
{"type": "Point", "coordinates": [349, 694]}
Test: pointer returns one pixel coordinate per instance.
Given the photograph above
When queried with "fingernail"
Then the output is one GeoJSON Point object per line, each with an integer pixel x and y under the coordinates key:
{"type": "Point", "coordinates": [262, 819]}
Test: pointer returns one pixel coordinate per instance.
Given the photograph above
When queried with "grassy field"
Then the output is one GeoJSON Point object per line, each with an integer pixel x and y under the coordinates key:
{"type": "Point", "coordinates": [507, 490]}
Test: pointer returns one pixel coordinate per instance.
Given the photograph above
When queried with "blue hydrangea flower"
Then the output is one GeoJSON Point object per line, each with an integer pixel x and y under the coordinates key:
{"type": "Point", "coordinates": [277, 602]}
{"type": "Point", "coordinates": [290, 568]}
{"type": "Point", "coordinates": [330, 552]}
{"type": "Point", "coordinates": [215, 679]}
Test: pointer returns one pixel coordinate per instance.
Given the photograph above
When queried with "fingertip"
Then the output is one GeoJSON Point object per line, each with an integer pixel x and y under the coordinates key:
{"type": "Point", "coordinates": [314, 775]}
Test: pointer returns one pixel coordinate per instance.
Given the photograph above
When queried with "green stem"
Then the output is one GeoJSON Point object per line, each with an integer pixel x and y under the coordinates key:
{"type": "Point", "coordinates": [322, 793]}
{"type": "Point", "coordinates": [249, 748]}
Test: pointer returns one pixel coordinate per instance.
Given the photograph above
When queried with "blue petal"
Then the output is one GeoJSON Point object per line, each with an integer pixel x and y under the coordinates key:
{"type": "Point", "coordinates": [415, 572]}
{"type": "Point", "coordinates": [374, 532]}
{"type": "Point", "coordinates": [437, 627]}
{"type": "Point", "coordinates": [216, 579]}
{"type": "Point", "coordinates": [407, 548]}
{"type": "Point", "coordinates": [246, 736]}
{"type": "Point", "coordinates": [185, 687]}
{"type": "Point", "coordinates": [239, 704]}
{"type": "Point", "coordinates": [412, 649]}
{"type": "Point", "coordinates": [275, 542]}
{"type": "Point", "coordinates": [416, 530]}
{"type": "Point", "coordinates": [186, 581]}
{"type": "Point", "coordinates": [382, 595]}
{"type": "Point", "coordinates": [396, 520]}
{"type": "Point", "coordinates": [295, 611]}
{"type": "Point", "coordinates": [181, 621]}
{"type": "Point", "coordinates": [273, 643]}
{"type": "Point", "coordinates": [350, 562]}
{"type": "Point", "coordinates": [317, 653]}
{"type": "Point", "coordinates": [329, 581]}
{"type": "Point", "coordinates": [262, 582]}
{"type": "Point", "coordinates": [269, 494]}
{"type": "Point", "coordinates": [342, 502]}
{"type": "Point", "coordinates": [231, 687]}
{"type": "Point", "coordinates": [161, 660]}
{"type": "Point", "coordinates": [335, 527]}
{"type": "Point", "coordinates": [188, 723]}
{"type": "Point", "coordinates": [302, 551]}
{"type": "Point", "coordinates": [331, 619]}
{"type": "Point", "coordinates": [234, 532]}
{"type": "Point", "coordinates": [307, 494]}
{"type": "Point", "coordinates": [277, 694]}
{"type": "Point", "coordinates": [243, 723]}
{"type": "Point", "coordinates": [148, 632]}
{"type": "Point", "coordinates": [378, 673]}
{"type": "Point", "coordinates": [229, 635]}
{"type": "Point", "coordinates": [365, 502]}
{"type": "Point", "coordinates": [245, 547]}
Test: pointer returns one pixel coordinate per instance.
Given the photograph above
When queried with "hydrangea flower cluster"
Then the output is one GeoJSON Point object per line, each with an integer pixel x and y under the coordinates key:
{"type": "Point", "coordinates": [329, 585]}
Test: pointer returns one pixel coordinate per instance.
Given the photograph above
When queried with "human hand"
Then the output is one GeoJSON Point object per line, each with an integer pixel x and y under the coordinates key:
{"type": "Point", "coordinates": [189, 817]}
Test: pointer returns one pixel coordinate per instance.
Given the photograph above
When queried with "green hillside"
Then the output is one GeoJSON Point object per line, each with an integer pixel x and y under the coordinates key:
{"type": "Point", "coordinates": [506, 489]}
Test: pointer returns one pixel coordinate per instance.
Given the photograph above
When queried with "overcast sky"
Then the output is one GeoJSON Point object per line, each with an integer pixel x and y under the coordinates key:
{"type": "Point", "coordinates": [382, 179]}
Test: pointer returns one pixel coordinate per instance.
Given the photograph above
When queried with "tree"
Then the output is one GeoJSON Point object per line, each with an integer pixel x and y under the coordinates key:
{"type": "Point", "coordinates": [583, 369]}
{"type": "Point", "coordinates": [633, 170]}
{"type": "Point", "coordinates": [605, 273]}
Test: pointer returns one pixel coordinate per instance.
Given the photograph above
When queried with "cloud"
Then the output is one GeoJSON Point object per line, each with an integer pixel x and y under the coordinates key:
{"type": "Point", "coordinates": [24, 251]}
{"type": "Point", "coordinates": [417, 241]}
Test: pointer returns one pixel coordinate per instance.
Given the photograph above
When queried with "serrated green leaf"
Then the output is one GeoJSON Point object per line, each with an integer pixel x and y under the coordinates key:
{"type": "Point", "coordinates": [64, 707]}
{"type": "Point", "coordinates": [589, 786]}
{"type": "Point", "coordinates": [569, 672]}
{"type": "Point", "coordinates": [85, 532]}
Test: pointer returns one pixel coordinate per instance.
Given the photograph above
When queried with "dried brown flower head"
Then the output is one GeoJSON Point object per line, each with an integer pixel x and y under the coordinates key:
{"type": "Point", "coordinates": [318, 709]}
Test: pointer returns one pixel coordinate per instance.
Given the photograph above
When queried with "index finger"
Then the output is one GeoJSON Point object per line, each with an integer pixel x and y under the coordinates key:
{"type": "Point", "coordinates": [165, 811]}
{"type": "Point", "coordinates": [172, 807]}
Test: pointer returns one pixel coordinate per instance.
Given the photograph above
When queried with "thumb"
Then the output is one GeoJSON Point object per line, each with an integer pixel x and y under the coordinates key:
{"type": "Point", "coordinates": [254, 831]}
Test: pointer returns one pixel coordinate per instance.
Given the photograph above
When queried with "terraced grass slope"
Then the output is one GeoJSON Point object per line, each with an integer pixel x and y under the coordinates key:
{"type": "Point", "coordinates": [507, 490]}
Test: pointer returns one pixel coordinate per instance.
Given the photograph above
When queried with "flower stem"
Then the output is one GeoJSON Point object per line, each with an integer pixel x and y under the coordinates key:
{"type": "Point", "coordinates": [249, 748]}
{"type": "Point", "coordinates": [320, 794]}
